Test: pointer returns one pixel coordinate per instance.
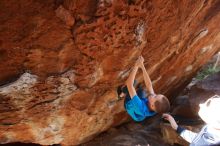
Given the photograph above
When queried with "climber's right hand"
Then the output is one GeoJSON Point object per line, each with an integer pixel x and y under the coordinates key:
{"type": "Point", "coordinates": [140, 61]}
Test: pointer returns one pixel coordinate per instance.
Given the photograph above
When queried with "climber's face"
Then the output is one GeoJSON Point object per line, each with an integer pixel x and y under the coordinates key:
{"type": "Point", "coordinates": [209, 111]}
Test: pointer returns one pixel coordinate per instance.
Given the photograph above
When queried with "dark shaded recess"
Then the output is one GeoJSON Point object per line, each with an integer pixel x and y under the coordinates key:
{"type": "Point", "coordinates": [131, 2]}
{"type": "Point", "coordinates": [11, 79]}
{"type": "Point", "coordinates": [58, 3]}
{"type": "Point", "coordinates": [3, 53]}
{"type": "Point", "coordinates": [214, 10]}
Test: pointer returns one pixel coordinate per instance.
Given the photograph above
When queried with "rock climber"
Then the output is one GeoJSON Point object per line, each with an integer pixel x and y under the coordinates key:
{"type": "Point", "coordinates": [138, 104]}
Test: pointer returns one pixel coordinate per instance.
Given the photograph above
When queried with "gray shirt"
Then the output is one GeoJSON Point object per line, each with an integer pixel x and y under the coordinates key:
{"type": "Point", "coordinates": [208, 136]}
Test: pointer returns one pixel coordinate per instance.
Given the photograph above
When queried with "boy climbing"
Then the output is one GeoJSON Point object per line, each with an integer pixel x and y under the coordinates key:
{"type": "Point", "coordinates": [136, 104]}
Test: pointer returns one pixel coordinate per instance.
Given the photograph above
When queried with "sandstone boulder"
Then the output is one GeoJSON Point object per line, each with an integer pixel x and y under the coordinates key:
{"type": "Point", "coordinates": [61, 60]}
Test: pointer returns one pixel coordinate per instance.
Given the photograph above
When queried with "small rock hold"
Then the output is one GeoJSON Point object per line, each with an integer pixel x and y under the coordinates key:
{"type": "Point", "coordinates": [65, 16]}
{"type": "Point", "coordinates": [64, 80]}
{"type": "Point", "coordinates": [189, 68]}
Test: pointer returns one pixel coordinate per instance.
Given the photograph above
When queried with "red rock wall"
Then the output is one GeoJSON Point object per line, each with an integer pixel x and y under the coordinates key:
{"type": "Point", "coordinates": [68, 56]}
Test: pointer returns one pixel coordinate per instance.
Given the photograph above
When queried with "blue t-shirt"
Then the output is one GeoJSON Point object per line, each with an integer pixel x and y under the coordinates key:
{"type": "Point", "coordinates": [138, 108]}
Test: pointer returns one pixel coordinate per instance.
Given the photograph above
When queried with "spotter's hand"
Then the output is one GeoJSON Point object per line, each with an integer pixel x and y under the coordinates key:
{"type": "Point", "coordinates": [169, 118]}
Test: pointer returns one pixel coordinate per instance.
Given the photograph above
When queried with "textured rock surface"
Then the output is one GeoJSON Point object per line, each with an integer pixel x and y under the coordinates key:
{"type": "Point", "coordinates": [203, 90]}
{"type": "Point", "coordinates": [68, 56]}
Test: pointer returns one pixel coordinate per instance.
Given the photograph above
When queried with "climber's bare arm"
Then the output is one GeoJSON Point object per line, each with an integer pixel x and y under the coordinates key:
{"type": "Point", "coordinates": [130, 81]}
{"type": "Point", "coordinates": [147, 79]}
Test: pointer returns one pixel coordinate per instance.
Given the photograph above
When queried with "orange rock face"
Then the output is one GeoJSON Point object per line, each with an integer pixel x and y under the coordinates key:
{"type": "Point", "coordinates": [65, 58]}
